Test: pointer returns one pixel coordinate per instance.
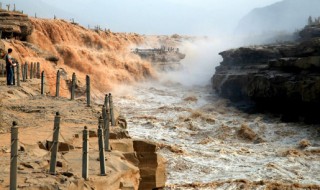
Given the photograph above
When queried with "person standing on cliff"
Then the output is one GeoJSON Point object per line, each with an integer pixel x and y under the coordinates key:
{"type": "Point", "coordinates": [9, 67]}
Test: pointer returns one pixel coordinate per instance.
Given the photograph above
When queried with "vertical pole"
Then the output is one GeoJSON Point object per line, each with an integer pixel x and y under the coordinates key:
{"type": "Point", "coordinates": [18, 74]}
{"type": "Point", "coordinates": [31, 70]}
{"type": "Point", "coordinates": [2, 70]}
{"type": "Point", "coordinates": [88, 90]}
{"type": "Point", "coordinates": [106, 101]}
{"type": "Point", "coordinates": [26, 70]}
{"type": "Point", "coordinates": [22, 71]}
{"type": "Point", "coordinates": [58, 84]}
{"type": "Point", "coordinates": [14, 156]}
{"type": "Point", "coordinates": [113, 122]}
{"type": "Point", "coordinates": [85, 155]}
{"type": "Point", "coordinates": [105, 128]}
{"type": "Point", "coordinates": [14, 76]}
{"type": "Point", "coordinates": [42, 83]}
{"type": "Point", "coordinates": [34, 70]}
{"type": "Point", "coordinates": [55, 143]}
{"type": "Point", "coordinates": [73, 87]}
{"type": "Point", "coordinates": [101, 149]}
{"type": "Point", "coordinates": [38, 70]}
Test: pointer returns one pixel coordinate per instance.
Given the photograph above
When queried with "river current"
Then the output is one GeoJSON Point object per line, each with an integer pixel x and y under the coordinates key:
{"type": "Point", "coordinates": [199, 135]}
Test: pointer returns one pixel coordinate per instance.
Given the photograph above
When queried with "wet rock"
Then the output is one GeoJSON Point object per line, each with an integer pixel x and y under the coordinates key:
{"type": "Point", "coordinates": [280, 78]}
{"type": "Point", "coordinates": [304, 143]}
{"type": "Point", "coordinates": [247, 133]}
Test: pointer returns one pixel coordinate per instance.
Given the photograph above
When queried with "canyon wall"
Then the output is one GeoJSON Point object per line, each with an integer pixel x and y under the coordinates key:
{"type": "Point", "coordinates": [281, 78]}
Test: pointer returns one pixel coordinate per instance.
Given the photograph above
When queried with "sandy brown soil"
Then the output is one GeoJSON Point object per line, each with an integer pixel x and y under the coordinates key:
{"type": "Point", "coordinates": [35, 114]}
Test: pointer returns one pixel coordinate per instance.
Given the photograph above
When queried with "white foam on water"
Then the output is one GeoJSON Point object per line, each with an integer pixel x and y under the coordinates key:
{"type": "Point", "coordinates": [205, 128]}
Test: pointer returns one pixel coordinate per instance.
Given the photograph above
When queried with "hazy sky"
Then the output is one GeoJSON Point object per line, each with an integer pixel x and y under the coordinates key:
{"type": "Point", "coordinates": [202, 17]}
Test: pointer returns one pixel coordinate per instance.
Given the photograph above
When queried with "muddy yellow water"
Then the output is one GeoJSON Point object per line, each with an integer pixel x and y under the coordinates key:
{"type": "Point", "coordinates": [205, 140]}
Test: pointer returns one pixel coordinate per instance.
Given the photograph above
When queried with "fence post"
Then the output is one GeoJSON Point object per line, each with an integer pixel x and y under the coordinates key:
{"type": "Point", "coordinates": [105, 128]}
{"type": "Point", "coordinates": [101, 150]}
{"type": "Point", "coordinates": [18, 74]}
{"type": "Point", "coordinates": [31, 70]}
{"type": "Point", "coordinates": [34, 70]}
{"type": "Point", "coordinates": [2, 70]}
{"type": "Point", "coordinates": [55, 144]}
{"type": "Point", "coordinates": [22, 71]}
{"type": "Point", "coordinates": [113, 122]}
{"type": "Point", "coordinates": [85, 155]}
{"type": "Point", "coordinates": [88, 90]}
{"type": "Point", "coordinates": [38, 70]}
{"type": "Point", "coordinates": [42, 83]}
{"type": "Point", "coordinates": [73, 87]}
{"type": "Point", "coordinates": [14, 156]}
{"type": "Point", "coordinates": [26, 70]}
{"type": "Point", "coordinates": [14, 76]}
{"type": "Point", "coordinates": [106, 101]}
{"type": "Point", "coordinates": [58, 84]}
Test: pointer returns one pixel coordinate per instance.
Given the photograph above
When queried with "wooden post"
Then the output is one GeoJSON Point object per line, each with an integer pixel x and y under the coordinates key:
{"type": "Point", "coordinates": [31, 70]}
{"type": "Point", "coordinates": [26, 70]}
{"type": "Point", "coordinates": [55, 144]}
{"type": "Point", "coordinates": [14, 156]}
{"type": "Point", "coordinates": [106, 128]}
{"type": "Point", "coordinates": [14, 76]}
{"type": "Point", "coordinates": [73, 87]}
{"type": "Point", "coordinates": [38, 70]}
{"type": "Point", "coordinates": [2, 70]}
{"type": "Point", "coordinates": [22, 72]}
{"type": "Point", "coordinates": [34, 70]}
{"type": "Point", "coordinates": [42, 83]}
{"type": "Point", "coordinates": [88, 90]}
{"type": "Point", "coordinates": [85, 155]}
{"type": "Point", "coordinates": [18, 74]}
{"type": "Point", "coordinates": [113, 122]}
{"type": "Point", "coordinates": [58, 84]}
{"type": "Point", "coordinates": [101, 151]}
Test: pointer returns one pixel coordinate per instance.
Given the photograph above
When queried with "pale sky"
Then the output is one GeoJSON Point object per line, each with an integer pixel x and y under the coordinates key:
{"type": "Point", "coordinates": [200, 17]}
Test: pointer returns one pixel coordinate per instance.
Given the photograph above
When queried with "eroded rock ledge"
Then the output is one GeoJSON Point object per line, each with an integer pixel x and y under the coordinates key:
{"type": "Point", "coordinates": [282, 78]}
{"type": "Point", "coordinates": [14, 24]}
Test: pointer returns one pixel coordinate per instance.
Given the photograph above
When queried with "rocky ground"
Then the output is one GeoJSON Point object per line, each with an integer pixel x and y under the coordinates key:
{"type": "Point", "coordinates": [130, 163]}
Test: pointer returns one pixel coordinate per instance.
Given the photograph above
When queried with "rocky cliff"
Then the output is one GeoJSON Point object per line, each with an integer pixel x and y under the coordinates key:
{"type": "Point", "coordinates": [14, 24]}
{"type": "Point", "coordinates": [281, 78]}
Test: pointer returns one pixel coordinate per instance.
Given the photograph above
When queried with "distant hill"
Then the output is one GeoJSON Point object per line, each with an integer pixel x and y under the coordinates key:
{"type": "Point", "coordinates": [284, 16]}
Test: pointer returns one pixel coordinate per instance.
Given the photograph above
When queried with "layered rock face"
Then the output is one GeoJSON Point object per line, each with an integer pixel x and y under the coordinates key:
{"type": "Point", "coordinates": [283, 78]}
{"type": "Point", "coordinates": [14, 25]}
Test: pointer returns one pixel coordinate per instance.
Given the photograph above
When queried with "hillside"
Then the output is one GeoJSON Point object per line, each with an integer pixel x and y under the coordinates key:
{"type": "Point", "coordinates": [287, 15]}
{"type": "Point", "coordinates": [103, 55]}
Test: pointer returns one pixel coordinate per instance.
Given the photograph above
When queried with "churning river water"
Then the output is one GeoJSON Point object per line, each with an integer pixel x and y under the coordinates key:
{"type": "Point", "coordinates": [199, 135]}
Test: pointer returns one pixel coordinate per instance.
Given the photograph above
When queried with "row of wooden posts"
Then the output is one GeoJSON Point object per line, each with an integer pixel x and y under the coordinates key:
{"type": "Point", "coordinates": [73, 86]}
{"type": "Point", "coordinates": [34, 72]}
{"type": "Point", "coordinates": [105, 119]}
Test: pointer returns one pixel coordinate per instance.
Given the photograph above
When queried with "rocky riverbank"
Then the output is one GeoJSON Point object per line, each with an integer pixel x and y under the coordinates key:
{"type": "Point", "coordinates": [281, 78]}
{"type": "Point", "coordinates": [131, 164]}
